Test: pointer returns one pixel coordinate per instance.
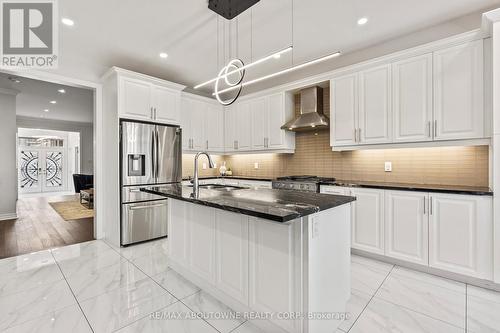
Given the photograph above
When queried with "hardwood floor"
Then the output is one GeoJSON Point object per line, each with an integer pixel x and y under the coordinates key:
{"type": "Point", "coordinates": [39, 227]}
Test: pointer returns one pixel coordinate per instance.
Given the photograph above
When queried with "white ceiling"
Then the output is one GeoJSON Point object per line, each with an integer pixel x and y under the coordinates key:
{"type": "Point", "coordinates": [131, 33]}
{"type": "Point", "coordinates": [34, 96]}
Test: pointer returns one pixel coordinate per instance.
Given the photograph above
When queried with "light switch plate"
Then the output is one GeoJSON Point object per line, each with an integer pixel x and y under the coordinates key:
{"type": "Point", "coordinates": [388, 167]}
{"type": "Point", "coordinates": [256, 165]}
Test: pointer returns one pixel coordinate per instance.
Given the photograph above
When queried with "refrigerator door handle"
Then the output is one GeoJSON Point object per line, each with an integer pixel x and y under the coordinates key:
{"type": "Point", "coordinates": [157, 153]}
{"type": "Point", "coordinates": [153, 165]}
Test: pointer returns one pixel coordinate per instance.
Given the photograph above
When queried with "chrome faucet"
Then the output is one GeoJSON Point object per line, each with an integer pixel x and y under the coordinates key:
{"type": "Point", "coordinates": [211, 165]}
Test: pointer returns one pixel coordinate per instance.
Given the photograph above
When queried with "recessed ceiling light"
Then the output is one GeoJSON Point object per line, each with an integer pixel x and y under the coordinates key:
{"type": "Point", "coordinates": [46, 110]}
{"type": "Point", "coordinates": [163, 55]}
{"type": "Point", "coordinates": [61, 91]}
{"type": "Point", "coordinates": [363, 21]}
{"type": "Point", "coordinates": [67, 21]}
{"type": "Point", "coordinates": [53, 102]}
{"type": "Point", "coordinates": [15, 79]}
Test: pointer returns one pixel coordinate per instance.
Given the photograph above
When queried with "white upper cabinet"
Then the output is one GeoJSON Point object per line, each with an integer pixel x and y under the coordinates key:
{"type": "Point", "coordinates": [375, 105]}
{"type": "Point", "coordinates": [135, 99]}
{"type": "Point", "coordinates": [145, 98]}
{"type": "Point", "coordinates": [166, 103]}
{"type": "Point", "coordinates": [259, 109]}
{"type": "Point", "coordinates": [255, 124]}
{"type": "Point", "coordinates": [412, 99]}
{"type": "Point", "coordinates": [406, 226]}
{"type": "Point", "coordinates": [460, 234]}
{"type": "Point", "coordinates": [202, 123]}
{"type": "Point", "coordinates": [431, 97]}
{"type": "Point", "coordinates": [344, 110]}
{"type": "Point", "coordinates": [458, 92]}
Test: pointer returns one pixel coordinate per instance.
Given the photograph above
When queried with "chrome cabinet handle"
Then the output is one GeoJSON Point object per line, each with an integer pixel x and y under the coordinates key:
{"type": "Point", "coordinates": [429, 129]}
{"type": "Point", "coordinates": [146, 207]}
{"type": "Point", "coordinates": [355, 135]}
{"type": "Point", "coordinates": [156, 114]}
{"type": "Point", "coordinates": [425, 206]}
{"type": "Point", "coordinates": [206, 143]}
{"type": "Point", "coordinates": [151, 109]}
{"type": "Point", "coordinates": [234, 144]}
{"type": "Point", "coordinates": [435, 128]}
{"type": "Point", "coordinates": [431, 209]}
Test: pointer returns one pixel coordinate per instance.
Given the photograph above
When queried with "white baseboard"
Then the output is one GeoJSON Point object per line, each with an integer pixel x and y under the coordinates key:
{"type": "Point", "coordinates": [11, 216]}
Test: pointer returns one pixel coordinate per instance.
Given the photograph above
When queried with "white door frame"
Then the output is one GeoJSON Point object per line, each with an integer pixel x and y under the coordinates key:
{"type": "Point", "coordinates": [96, 87]}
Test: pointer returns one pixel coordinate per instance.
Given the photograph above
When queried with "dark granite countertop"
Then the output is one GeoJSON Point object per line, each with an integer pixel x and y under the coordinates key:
{"type": "Point", "coordinates": [452, 189]}
{"type": "Point", "coordinates": [276, 205]}
{"type": "Point", "coordinates": [235, 177]}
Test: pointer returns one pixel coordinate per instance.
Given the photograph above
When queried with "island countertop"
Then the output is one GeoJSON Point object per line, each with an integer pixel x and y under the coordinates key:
{"type": "Point", "coordinates": [275, 205]}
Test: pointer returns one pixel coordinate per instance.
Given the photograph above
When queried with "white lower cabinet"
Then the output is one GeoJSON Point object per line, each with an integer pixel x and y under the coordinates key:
{"type": "Point", "coordinates": [201, 243]}
{"type": "Point", "coordinates": [406, 226]}
{"type": "Point", "coordinates": [368, 220]}
{"type": "Point", "coordinates": [231, 254]}
{"type": "Point", "coordinates": [177, 232]}
{"type": "Point", "coordinates": [272, 273]}
{"type": "Point", "coordinates": [451, 232]}
{"type": "Point", "coordinates": [461, 234]}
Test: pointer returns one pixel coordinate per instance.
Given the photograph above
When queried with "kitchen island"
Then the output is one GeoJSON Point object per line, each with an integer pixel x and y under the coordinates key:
{"type": "Point", "coordinates": [280, 256]}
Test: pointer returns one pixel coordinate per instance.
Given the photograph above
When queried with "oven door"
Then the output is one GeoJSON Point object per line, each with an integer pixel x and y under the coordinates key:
{"type": "Point", "coordinates": [143, 221]}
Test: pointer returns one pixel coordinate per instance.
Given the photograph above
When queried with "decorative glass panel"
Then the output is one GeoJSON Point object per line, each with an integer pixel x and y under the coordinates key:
{"type": "Point", "coordinates": [40, 142]}
{"type": "Point", "coordinates": [53, 174]}
{"type": "Point", "coordinates": [29, 169]}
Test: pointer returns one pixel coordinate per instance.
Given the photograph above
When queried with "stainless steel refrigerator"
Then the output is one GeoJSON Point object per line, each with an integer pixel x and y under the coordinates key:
{"type": "Point", "coordinates": [151, 154]}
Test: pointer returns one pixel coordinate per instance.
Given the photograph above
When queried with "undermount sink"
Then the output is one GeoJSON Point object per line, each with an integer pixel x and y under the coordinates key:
{"type": "Point", "coordinates": [220, 187]}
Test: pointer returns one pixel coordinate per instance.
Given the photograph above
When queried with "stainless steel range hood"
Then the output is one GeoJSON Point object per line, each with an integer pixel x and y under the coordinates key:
{"type": "Point", "coordinates": [311, 112]}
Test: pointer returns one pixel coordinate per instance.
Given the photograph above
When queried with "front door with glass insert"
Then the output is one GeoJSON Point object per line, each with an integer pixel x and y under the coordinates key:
{"type": "Point", "coordinates": [41, 169]}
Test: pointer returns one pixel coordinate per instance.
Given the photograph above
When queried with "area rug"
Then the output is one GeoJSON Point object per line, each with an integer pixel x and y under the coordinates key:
{"type": "Point", "coordinates": [72, 210]}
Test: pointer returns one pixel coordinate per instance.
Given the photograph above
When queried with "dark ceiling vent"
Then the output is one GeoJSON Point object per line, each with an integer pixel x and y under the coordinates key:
{"type": "Point", "coordinates": [229, 9]}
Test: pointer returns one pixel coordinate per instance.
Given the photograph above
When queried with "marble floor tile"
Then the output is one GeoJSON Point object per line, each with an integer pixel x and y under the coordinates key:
{"type": "Point", "coordinates": [427, 294]}
{"type": "Point", "coordinates": [120, 307]}
{"type": "Point", "coordinates": [355, 306]}
{"type": "Point", "coordinates": [87, 264]}
{"type": "Point", "coordinates": [69, 319]}
{"type": "Point", "coordinates": [90, 249]}
{"type": "Point", "coordinates": [26, 262]}
{"type": "Point", "coordinates": [152, 264]}
{"type": "Point", "coordinates": [29, 278]}
{"type": "Point", "coordinates": [176, 284]}
{"type": "Point", "coordinates": [176, 318]}
{"type": "Point", "coordinates": [247, 327]}
{"type": "Point", "coordinates": [367, 275]}
{"type": "Point", "coordinates": [132, 252]}
{"type": "Point", "coordinates": [106, 279]}
{"type": "Point", "coordinates": [212, 309]}
{"type": "Point", "coordinates": [483, 310]}
{"type": "Point", "coordinates": [385, 317]}
{"type": "Point", "coordinates": [26, 305]}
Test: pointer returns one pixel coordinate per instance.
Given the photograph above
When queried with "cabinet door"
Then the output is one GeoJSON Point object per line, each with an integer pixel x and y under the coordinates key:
{"type": "Point", "coordinates": [244, 126]}
{"type": "Point", "coordinates": [343, 110]}
{"type": "Point", "coordinates": [412, 99]}
{"type": "Point", "coordinates": [460, 230]}
{"type": "Point", "coordinates": [198, 141]}
{"type": "Point", "coordinates": [186, 115]}
{"type": "Point", "coordinates": [458, 92]}
{"type": "Point", "coordinates": [273, 280]}
{"type": "Point", "coordinates": [178, 231]}
{"type": "Point", "coordinates": [231, 234]}
{"type": "Point", "coordinates": [406, 226]}
{"type": "Point", "coordinates": [375, 104]}
{"type": "Point", "coordinates": [368, 220]}
{"type": "Point", "coordinates": [259, 110]}
{"type": "Point", "coordinates": [214, 127]}
{"type": "Point", "coordinates": [276, 118]}
{"type": "Point", "coordinates": [230, 128]}
{"type": "Point", "coordinates": [201, 241]}
{"type": "Point", "coordinates": [135, 99]}
{"type": "Point", "coordinates": [166, 102]}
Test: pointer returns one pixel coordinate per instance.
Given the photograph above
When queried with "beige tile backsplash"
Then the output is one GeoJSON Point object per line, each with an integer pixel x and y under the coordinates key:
{"type": "Point", "coordinates": [467, 166]}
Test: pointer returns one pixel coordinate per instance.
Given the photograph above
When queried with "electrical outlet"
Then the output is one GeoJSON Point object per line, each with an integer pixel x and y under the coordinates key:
{"type": "Point", "coordinates": [256, 165]}
{"type": "Point", "coordinates": [204, 166]}
{"type": "Point", "coordinates": [388, 167]}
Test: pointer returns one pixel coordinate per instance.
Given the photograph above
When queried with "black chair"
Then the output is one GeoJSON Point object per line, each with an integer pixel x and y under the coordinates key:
{"type": "Point", "coordinates": [83, 182]}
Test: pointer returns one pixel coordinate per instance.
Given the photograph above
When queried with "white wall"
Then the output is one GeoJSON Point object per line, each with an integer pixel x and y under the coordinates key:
{"type": "Point", "coordinates": [86, 136]}
{"type": "Point", "coordinates": [8, 171]}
